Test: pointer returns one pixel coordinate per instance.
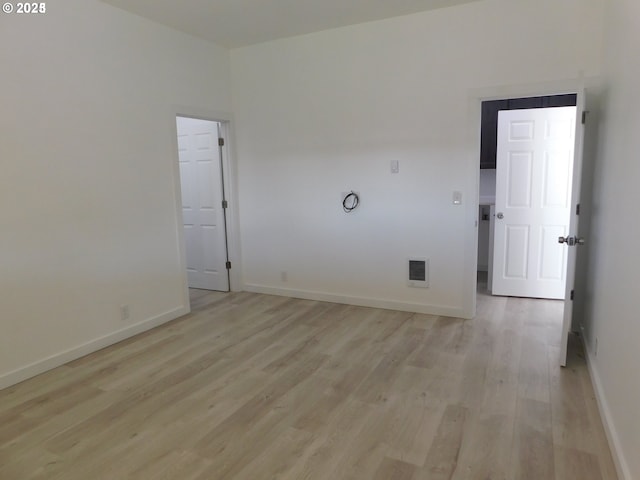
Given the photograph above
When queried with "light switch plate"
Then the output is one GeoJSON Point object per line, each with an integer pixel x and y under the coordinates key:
{"type": "Point", "coordinates": [457, 198]}
{"type": "Point", "coordinates": [395, 166]}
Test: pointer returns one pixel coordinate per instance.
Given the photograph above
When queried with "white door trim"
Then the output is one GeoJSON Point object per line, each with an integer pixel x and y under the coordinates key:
{"type": "Point", "coordinates": [231, 193]}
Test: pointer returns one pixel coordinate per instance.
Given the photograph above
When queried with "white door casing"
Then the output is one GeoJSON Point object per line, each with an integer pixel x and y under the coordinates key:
{"type": "Point", "coordinates": [535, 167]}
{"type": "Point", "coordinates": [201, 180]}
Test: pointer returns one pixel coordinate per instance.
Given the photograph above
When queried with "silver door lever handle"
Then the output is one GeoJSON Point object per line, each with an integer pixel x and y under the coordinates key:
{"type": "Point", "coordinates": [571, 241]}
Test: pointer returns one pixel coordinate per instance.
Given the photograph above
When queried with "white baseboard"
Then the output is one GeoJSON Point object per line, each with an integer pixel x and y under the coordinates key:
{"type": "Point", "coordinates": [446, 311]}
{"type": "Point", "coordinates": [622, 467]}
{"type": "Point", "coordinates": [41, 366]}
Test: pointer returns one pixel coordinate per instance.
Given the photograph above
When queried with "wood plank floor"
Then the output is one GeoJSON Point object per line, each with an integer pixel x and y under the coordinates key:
{"type": "Point", "coordinates": [259, 387]}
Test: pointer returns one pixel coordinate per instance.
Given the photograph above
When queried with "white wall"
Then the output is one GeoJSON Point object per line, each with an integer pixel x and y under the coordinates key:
{"type": "Point", "coordinates": [87, 197]}
{"type": "Point", "coordinates": [612, 310]}
{"type": "Point", "coordinates": [324, 113]}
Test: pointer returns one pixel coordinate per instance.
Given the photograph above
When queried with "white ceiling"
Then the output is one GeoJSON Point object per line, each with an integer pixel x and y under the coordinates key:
{"type": "Point", "coordinates": [236, 23]}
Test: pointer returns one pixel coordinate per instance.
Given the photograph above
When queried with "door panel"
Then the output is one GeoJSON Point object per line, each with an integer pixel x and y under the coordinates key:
{"type": "Point", "coordinates": [556, 180]}
{"type": "Point", "coordinates": [520, 130]}
{"type": "Point", "coordinates": [533, 188]}
{"type": "Point", "coordinates": [202, 195]}
{"type": "Point", "coordinates": [517, 243]}
{"type": "Point", "coordinates": [519, 165]}
{"type": "Point", "coordinates": [552, 260]}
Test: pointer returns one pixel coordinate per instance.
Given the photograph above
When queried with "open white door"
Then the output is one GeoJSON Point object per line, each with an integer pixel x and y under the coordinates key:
{"type": "Point", "coordinates": [202, 207]}
{"type": "Point", "coordinates": [535, 166]}
{"type": "Point", "coordinates": [571, 241]}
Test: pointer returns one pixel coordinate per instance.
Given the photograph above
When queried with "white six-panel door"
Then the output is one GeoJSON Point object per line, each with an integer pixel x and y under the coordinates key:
{"type": "Point", "coordinates": [533, 201]}
{"type": "Point", "coordinates": [202, 195]}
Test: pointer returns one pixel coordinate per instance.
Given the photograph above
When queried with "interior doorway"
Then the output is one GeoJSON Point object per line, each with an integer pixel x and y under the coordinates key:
{"type": "Point", "coordinates": [203, 203]}
{"type": "Point", "coordinates": [572, 240]}
{"type": "Point", "coordinates": [523, 277]}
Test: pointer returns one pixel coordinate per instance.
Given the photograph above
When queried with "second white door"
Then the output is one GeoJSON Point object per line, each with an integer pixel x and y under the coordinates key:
{"type": "Point", "coordinates": [533, 201]}
{"type": "Point", "coordinates": [202, 210]}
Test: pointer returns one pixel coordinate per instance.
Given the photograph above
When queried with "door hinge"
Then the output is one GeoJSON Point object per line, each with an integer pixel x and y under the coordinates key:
{"type": "Point", "coordinates": [572, 295]}
{"type": "Point", "coordinates": [584, 116]}
{"type": "Point", "coordinates": [578, 209]}
{"type": "Point", "coordinates": [221, 141]}
{"type": "Point", "coordinates": [228, 265]}
{"type": "Point", "coordinates": [225, 204]}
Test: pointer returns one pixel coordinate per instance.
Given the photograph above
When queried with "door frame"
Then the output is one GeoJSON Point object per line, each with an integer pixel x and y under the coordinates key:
{"type": "Point", "coordinates": [474, 104]}
{"type": "Point", "coordinates": [229, 180]}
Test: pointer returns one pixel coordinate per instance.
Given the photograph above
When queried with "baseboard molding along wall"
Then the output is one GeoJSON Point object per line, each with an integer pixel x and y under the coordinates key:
{"type": "Point", "coordinates": [622, 467]}
{"type": "Point", "coordinates": [74, 353]}
{"type": "Point", "coordinates": [446, 311]}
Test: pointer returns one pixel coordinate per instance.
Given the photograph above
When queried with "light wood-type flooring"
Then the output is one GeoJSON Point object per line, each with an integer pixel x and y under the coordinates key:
{"type": "Point", "coordinates": [260, 387]}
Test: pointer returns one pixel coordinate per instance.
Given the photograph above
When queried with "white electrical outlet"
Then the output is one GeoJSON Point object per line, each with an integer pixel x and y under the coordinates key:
{"type": "Point", "coordinates": [125, 314]}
